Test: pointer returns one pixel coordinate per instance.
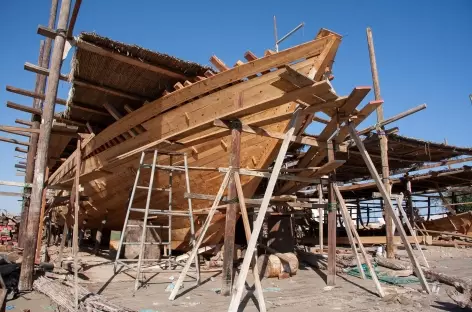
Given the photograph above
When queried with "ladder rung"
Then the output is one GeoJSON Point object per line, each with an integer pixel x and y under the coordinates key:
{"type": "Point", "coordinates": [155, 188]}
{"type": "Point", "coordinates": [147, 226]}
{"type": "Point", "coordinates": [146, 243]}
{"type": "Point", "coordinates": [161, 212]}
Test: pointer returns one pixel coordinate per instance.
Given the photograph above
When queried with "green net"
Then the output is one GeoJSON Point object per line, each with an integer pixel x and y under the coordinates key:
{"type": "Point", "coordinates": [382, 276]}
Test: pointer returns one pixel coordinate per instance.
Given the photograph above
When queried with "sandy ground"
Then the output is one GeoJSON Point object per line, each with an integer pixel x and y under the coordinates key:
{"type": "Point", "coordinates": [304, 291]}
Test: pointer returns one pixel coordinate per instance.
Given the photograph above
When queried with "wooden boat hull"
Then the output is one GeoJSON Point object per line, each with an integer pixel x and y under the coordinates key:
{"type": "Point", "coordinates": [107, 175]}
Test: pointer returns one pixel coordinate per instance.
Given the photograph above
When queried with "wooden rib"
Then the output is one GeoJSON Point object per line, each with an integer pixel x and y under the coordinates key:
{"type": "Point", "coordinates": [166, 103]}
{"type": "Point", "coordinates": [32, 94]}
{"type": "Point", "coordinates": [269, 52]}
{"type": "Point", "coordinates": [249, 56]}
{"type": "Point", "coordinates": [128, 60]}
{"type": "Point", "coordinates": [219, 64]}
{"type": "Point", "coordinates": [23, 108]}
{"type": "Point", "coordinates": [209, 74]}
{"type": "Point", "coordinates": [187, 83]}
{"type": "Point", "coordinates": [238, 63]}
{"type": "Point", "coordinates": [117, 115]}
{"type": "Point", "coordinates": [199, 78]}
{"type": "Point", "coordinates": [43, 71]}
{"type": "Point", "coordinates": [165, 92]}
{"type": "Point", "coordinates": [129, 109]}
{"type": "Point", "coordinates": [178, 86]}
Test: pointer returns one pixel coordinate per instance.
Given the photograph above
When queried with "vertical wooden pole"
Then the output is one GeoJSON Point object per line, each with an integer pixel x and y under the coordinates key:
{"type": "Point", "coordinates": [76, 222]}
{"type": "Point", "coordinates": [41, 222]}
{"type": "Point", "coordinates": [98, 238]}
{"type": "Point", "coordinates": [231, 212]}
{"type": "Point", "coordinates": [321, 217]}
{"type": "Point", "coordinates": [429, 208]}
{"type": "Point", "coordinates": [383, 144]}
{"type": "Point", "coordinates": [40, 85]}
{"type": "Point", "coordinates": [411, 213]}
{"type": "Point", "coordinates": [358, 213]}
{"type": "Point", "coordinates": [65, 232]}
{"type": "Point", "coordinates": [332, 212]}
{"type": "Point", "coordinates": [29, 239]}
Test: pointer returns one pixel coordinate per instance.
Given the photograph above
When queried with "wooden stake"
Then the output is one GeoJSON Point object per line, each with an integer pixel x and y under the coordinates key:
{"type": "Point", "coordinates": [389, 205]}
{"type": "Point", "coordinates": [332, 211]}
{"type": "Point", "coordinates": [347, 219]}
{"type": "Point", "coordinates": [410, 228]}
{"type": "Point", "coordinates": [237, 295]}
{"type": "Point", "coordinates": [232, 211]}
{"type": "Point", "coordinates": [383, 143]}
{"type": "Point", "coordinates": [41, 222]}
{"type": "Point", "coordinates": [247, 230]}
{"type": "Point", "coordinates": [27, 266]}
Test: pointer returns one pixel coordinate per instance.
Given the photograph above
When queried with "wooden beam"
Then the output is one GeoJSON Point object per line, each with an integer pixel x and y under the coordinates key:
{"type": "Point", "coordinates": [3, 139]}
{"type": "Point", "coordinates": [270, 134]}
{"type": "Point", "coordinates": [13, 183]}
{"type": "Point", "coordinates": [15, 130]}
{"type": "Point", "coordinates": [14, 194]}
{"type": "Point", "coordinates": [43, 71]}
{"type": "Point", "coordinates": [219, 64]}
{"type": "Point", "coordinates": [88, 109]}
{"type": "Point", "coordinates": [129, 60]}
{"type": "Point", "coordinates": [108, 90]}
{"type": "Point", "coordinates": [33, 94]}
{"type": "Point", "coordinates": [332, 213]}
{"type": "Point", "coordinates": [23, 108]}
{"type": "Point", "coordinates": [21, 150]}
{"type": "Point", "coordinates": [69, 121]}
{"type": "Point", "coordinates": [23, 122]}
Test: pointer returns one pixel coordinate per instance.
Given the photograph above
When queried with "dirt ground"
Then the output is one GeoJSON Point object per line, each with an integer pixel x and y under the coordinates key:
{"type": "Point", "coordinates": [305, 291]}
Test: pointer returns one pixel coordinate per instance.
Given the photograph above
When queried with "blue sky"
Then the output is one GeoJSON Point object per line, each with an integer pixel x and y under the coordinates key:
{"type": "Point", "coordinates": [423, 50]}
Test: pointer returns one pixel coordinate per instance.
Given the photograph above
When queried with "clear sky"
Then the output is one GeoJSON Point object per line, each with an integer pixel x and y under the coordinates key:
{"type": "Point", "coordinates": [423, 50]}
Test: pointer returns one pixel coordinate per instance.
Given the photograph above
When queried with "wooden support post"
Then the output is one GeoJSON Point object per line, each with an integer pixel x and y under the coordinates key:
{"type": "Point", "coordinates": [98, 238]}
{"type": "Point", "coordinates": [75, 242]}
{"type": "Point", "coordinates": [429, 209]}
{"type": "Point", "coordinates": [29, 239]}
{"type": "Point", "coordinates": [332, 211]}
{"type": "Point", "coordinates": [347, 219]}
{"type": "Point", "coordinates": [358, 213]}
{"type": "Point", "coordinates": [240, 283]}
{"type": "Point", "coordinates": [411, 213]}
{"type": "Point", "coordinates": [41, 222]}
{"type": "Point", "coordinates": [389, 205]}
{"type": "Point", "coordinates": [383, 144]}
{"type": "Point", "coordinates": [232, 211]}
{"type": "Point", "coordinates": [247, 230]}
{"type": "Point", "coordinates": [65, 233]}
{"type": "Point", "coordinates": [320, 218]}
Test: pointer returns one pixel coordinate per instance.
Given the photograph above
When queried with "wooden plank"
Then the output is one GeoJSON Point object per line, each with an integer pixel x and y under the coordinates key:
{"type": "Point", "coordinates": [286, 177]}
{"type": "Point", "coordinates": [251, 246]}
{"type": "Point", "coordinates": [347, 219]}
{"type": "Point", "coordinates": [3, 139]}
{"type": "Point", "coordinates": [389, 205]}
{"type": "Point", "coordinates": [33, 94]}
{"type": "Point", "coordinates": [270, 134]}
{"type": "Point", "coordinates": [88, 109]}
{"type": "Point", "coordinates": [320, 217]}
{"type": "Point", "coordinates": [163, 104]}
{"type": "Point", "coordinates": [247, 231]}
{"type": "Point", "coordinates": [200, 238]}
{"type": "Point", "coordinates": [43, 71]}
{"type": "Point", "coordinates": [129, 60]}
{"type": "Point", "coordinates": [23, 108]}
{"type": "Point", "coordinates": [296, 78]}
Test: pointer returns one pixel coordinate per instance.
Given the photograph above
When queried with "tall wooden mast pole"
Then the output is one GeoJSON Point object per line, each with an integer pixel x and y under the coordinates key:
{"type": "Point", "coordinates": [232, 211]}
{"type": "Point", "coordinates": [383, 144]}
{"type": "Point", "coordinates": [40, 85]}
{"type": "Point", "coordinates": [30, 236]}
